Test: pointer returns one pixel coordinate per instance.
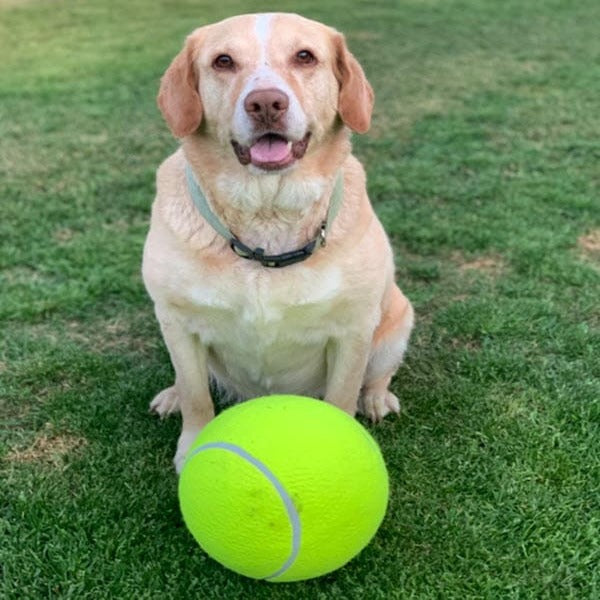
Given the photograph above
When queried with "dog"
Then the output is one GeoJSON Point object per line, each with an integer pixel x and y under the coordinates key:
{"type": "Point", "coordinates": [268, 268]}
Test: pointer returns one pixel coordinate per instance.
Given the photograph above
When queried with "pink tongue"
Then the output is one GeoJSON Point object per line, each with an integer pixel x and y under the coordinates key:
{"type": "Point", "coordinates": [269, 149]}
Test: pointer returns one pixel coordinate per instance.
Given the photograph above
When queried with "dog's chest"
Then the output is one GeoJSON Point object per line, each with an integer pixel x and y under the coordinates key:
{"type": "Point", "coordinates": [268, 331]}
{"type": "Point", "coordinates": [262, 308]}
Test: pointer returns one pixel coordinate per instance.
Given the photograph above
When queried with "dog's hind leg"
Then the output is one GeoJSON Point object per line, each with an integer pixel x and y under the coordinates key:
{"type": "Point", "coordinates": [387, 351]}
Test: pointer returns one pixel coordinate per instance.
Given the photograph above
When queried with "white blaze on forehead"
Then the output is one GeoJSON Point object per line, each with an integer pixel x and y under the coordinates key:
{"type": "Point", "coordinates": [262, 28]}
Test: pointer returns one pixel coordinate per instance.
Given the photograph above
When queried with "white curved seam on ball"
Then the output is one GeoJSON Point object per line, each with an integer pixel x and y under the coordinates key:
{"type": "Point", "coordinates": [285, 497]}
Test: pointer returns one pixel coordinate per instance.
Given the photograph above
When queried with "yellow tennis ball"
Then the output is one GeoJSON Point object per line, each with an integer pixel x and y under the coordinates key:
{"type": "Point", "coordinates": [283, 488]}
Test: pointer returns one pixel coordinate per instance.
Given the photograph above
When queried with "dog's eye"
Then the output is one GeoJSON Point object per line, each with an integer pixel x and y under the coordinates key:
{"type": "Point", "coordinates": [305, 57]}
{"type": "Point", "coordinates": [223, 62]}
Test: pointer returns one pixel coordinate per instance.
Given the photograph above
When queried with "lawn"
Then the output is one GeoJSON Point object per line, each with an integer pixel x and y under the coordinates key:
{"type": "Point", "coordinates": [484, 166]}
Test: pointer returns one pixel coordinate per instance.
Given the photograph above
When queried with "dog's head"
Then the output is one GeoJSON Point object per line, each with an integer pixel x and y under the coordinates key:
{"type": "Point", "coordinates": [267, 86]}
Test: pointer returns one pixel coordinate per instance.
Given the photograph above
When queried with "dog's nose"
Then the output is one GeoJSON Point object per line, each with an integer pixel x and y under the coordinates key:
{"type": "Point", "coordinates": [266, 106]}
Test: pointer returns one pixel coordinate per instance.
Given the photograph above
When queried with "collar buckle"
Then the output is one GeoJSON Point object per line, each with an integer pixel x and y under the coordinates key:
{"type": "Point", "coordinates": [323, 235]}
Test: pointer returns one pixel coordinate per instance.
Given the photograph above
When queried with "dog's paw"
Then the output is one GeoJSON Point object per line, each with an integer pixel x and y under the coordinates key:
{"type": "Point", "coordinates": [165, 402]}
{"type": "Point", "coordinates": [186, 439]}
{"type": "Point", "coordinates": [376, 404]}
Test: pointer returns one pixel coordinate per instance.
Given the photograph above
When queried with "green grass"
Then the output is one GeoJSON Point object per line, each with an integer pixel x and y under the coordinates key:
{"type": "Point", "coordinates": [483, 165]}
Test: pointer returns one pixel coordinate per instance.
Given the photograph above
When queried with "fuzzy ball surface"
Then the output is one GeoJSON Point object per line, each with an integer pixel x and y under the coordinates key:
{"type": "Point", "coordinates": [283, 488]}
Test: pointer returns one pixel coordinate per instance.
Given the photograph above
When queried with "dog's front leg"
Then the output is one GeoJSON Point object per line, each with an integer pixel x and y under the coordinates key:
{"type": "Point", "coordinates": [346, 365]}
{"type": "Point", "coordinates": [191, 392]}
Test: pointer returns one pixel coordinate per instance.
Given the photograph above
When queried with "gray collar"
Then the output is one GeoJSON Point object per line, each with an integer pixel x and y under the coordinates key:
{"type": "Point", "coordinates": [258, 254]}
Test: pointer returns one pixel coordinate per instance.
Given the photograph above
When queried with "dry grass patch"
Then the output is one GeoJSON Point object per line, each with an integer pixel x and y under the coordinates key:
{"type": "Point", "coordinates": [589, 244]}
{"type": "Point", "coordinates": [118, 334]}
{"type": "Point", "coordinates": [489, 265]}
{"type": "Point", "coordinates": [48, 448]}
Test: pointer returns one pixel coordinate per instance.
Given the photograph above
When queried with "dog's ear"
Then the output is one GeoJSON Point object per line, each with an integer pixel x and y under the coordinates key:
{"type": "Point", "coordinates": [178, 97]}
{"type": "Point", "coordinates": [355, 103]}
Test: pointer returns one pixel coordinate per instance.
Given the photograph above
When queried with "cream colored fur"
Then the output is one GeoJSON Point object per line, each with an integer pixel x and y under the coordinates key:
{"type": "Point", "coordinates": [335, 326]}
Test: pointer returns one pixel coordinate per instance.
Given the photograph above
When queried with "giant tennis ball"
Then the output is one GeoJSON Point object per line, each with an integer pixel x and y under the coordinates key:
{"type": "Point", "coordinates": [283, 488]}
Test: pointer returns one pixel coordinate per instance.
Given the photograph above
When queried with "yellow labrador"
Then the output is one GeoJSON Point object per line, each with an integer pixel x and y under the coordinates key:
{"type": "Point", "coordinates": [269, 271]}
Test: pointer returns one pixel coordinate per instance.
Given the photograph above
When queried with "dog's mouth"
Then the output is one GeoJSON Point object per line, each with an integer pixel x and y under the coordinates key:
{"type": "Point", "coordinates": [271, 151]}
